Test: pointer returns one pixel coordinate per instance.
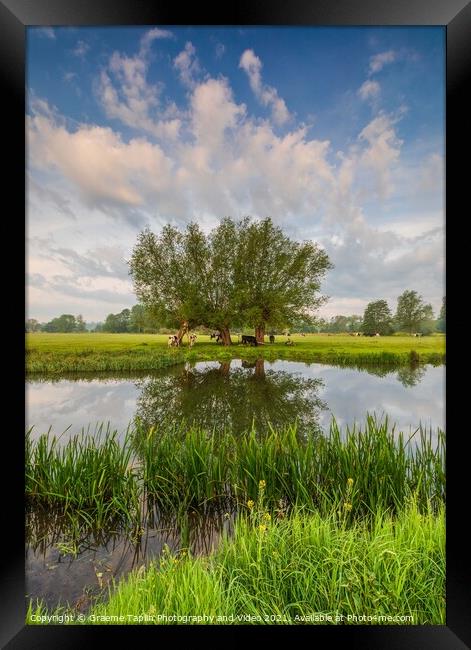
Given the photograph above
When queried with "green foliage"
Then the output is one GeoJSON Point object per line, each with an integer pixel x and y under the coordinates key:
{"type": "Point", "coordinates": [412, 312]}
{"type": "Point", "coordinates": [32, 325]}
{"type": "Point", "coordinates": [181, 467]}
{"type": "Point", "coordinates": [169, 270]}
{"type": "Point", "coordinates": [340, 324]}
{"type": "Point", "coordinates": [65, 323]}
{"type": "Point", "coordinates": [277, 279]}
{"type": "Point", "coordinates": [241, 273]}
{"type": "Point", "coordinates": [89, 476]}
{"type": "Point", "coordinates": [117, 322]}
{"type": "Point", "coordinates": [377, 318]}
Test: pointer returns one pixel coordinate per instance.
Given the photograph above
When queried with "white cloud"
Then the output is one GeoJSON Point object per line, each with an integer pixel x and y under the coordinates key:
{"type": "Point", "coordinates": [46, 32]}
{"type": "Point", "coordinates": [127, 96]}
{"type": "Point", "coordinates": [97, 162]}
{"type": "Point", "coordinates": [81, 49]}
{"type": "Point", "coordinates": [69, 76]}
{"type": "Point", "coordinates": [227, 163]}
{"type": "Point", "coordinates": [369, 90]}
{"type": "Point", "coordinates": [187, 65]}
{"type": "Point", "coordinates": [378, 61]}
{"type": "Point", "coordinates": [152, 35]}
{"type": "Point", "coordinates": [266, 95]}
{"type": "Point", "coordinates": [381, 152]}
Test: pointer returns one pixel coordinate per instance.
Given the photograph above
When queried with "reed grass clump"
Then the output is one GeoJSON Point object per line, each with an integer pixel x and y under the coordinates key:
{"type": "Point", "coordinates": [386, 467]}
{"type": "Point", "coordinates": [89, 474]}
{"type": "Point", "coordinates": [179, 468]}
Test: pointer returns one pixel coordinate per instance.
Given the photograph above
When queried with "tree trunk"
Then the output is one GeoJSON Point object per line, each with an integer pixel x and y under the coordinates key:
{"type": "Point", "coordinates": [260, 334]}
{"type": "Point", "coordinates": [182, 331]}
{"type": "Point", "coordinates": [225, 336]}
{"type": "Point", "coordinates": [260, 368]}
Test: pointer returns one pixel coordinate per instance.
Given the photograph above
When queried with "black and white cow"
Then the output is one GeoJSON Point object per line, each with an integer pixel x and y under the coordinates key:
{"type": "Point", "coordinates": [250, 340]}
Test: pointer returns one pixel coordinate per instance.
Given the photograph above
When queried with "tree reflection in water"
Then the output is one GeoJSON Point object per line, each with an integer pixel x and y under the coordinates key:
{"type": "Point", "coordinates": [224, 398]}
{"type": "Point", "coordinates": [411, 375]}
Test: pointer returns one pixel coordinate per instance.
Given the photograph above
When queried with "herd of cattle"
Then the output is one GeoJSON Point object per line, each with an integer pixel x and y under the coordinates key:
{"type": "Point", "coordinates": [173, 341]}
{"type": "Point", "coordinates": [246, 339]}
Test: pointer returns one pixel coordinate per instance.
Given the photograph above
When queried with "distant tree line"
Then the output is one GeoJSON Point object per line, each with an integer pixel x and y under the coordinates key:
{"type": "Point", "coordinates": [63, 323]}
{"type": "Point", "coordinates": [137, 319]}
{"type": "Point", "coordinates": [412, 316]}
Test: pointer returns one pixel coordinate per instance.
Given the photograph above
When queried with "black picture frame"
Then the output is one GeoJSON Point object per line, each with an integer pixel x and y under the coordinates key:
{"type": "Point", "coordinates": [455, 15]}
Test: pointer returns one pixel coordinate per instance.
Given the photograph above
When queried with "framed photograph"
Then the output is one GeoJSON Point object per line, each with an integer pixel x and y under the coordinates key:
{"type": "Point", "coordinates": [235, 321]}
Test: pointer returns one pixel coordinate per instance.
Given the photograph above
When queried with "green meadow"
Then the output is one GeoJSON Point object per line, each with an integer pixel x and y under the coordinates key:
{"type": "Point", "coordinates": [61, 353]}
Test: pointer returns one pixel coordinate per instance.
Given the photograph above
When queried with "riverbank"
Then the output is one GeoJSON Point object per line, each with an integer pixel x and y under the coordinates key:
{"type": "Point", "coordinates": [305, 569]}
{"type": "Point", "coordinates": [56, 354]}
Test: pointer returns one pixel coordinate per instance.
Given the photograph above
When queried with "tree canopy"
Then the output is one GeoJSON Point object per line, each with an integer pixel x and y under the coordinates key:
{"type": "Point", "coordinates": [278, 279]}
{"type": "Point", "coordinates": [64, 323]}
{"type": "Point", "coordinates": [412, 312]}
{"type": "Point", "coordinates": [241, 273]}
{"type": "Point", "coordinates": [377, 318]}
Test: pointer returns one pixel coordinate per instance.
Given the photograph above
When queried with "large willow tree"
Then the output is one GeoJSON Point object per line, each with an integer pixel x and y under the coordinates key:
{"type": "Point", "coordinates": [240, 273]}
{"type": "Point", "coordinates": [278, 278]}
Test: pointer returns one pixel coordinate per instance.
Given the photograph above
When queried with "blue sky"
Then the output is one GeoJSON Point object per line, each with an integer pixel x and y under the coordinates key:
{"type": "Point", "coordinates": [337, 133]}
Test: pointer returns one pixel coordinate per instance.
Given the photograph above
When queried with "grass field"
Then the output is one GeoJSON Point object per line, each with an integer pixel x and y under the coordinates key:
{"type": "Point", "coordinates": [58, 353]}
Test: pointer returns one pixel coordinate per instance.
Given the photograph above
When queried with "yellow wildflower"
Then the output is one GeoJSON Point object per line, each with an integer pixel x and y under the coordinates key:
{"type": "Point", "coordinates": [250, 504]}
{"type": "Point", "coordinates": [350, 482]}
{"type": "Point", "coordinates": [347, 506]}
{"type": "Point", "coordinates": [261, 485]}
{"type": "Point", "coordinates": [262, 528]}
{"type": "Point", "coordinates": [267, 516]}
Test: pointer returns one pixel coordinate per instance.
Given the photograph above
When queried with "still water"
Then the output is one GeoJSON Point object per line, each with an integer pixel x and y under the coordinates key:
{"type": "Point", "coordinates": [230, 395]}
{"type": "Point", "coordinates": [233, 394]}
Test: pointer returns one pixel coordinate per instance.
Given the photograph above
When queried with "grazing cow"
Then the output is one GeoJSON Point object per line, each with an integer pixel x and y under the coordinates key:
{"type": "Point", "coordinates": [377, 334]}
{"type": "Point", "coordinates": [192, 339]}
{"type": "Point", "coordinates": [417, 334]}
{"type": "Point", "coordinates": [251, 340]}
{"type": "Point", "coordinates": [272, 338]}
{"type": "Point", "coordinates": [289, 342]}
{"type": "Point", "coordinates": [173, 341]}
{"type": "Point", "coordinates": [303, 334]}
{"type": "Point", "coordinates": [213, 335]}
